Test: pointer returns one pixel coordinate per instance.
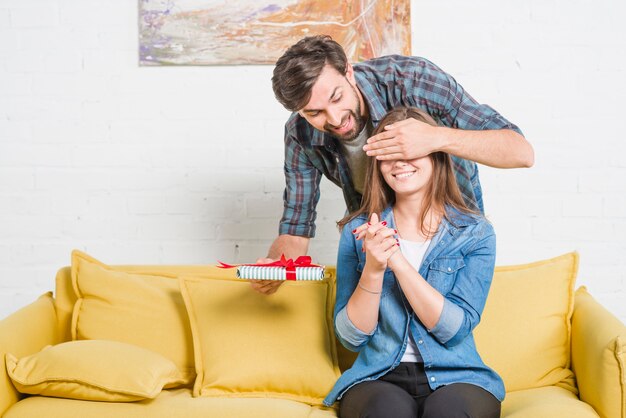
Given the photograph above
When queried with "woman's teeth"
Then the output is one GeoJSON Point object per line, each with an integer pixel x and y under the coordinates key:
{"type": "Point", "coordinates": [404, 175]}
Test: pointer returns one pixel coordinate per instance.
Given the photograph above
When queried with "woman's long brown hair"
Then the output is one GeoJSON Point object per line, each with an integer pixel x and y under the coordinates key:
{"type": "Point", "coordinates": [442, 190]}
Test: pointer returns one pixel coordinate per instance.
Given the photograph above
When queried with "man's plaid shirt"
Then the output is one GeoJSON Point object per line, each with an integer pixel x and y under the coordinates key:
{"type": "Point", "coordinates": [385, 83]}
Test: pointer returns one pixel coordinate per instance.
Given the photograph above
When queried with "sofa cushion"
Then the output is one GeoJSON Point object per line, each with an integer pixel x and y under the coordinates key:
{"type": "Point", "coordinates": [22, 333]}
{"type": "Point", "coordinates": [139, 309]}
{"type": "Point", "coordinates": [176, 403]}
{"type": "Point", "coordinates": [525, 329]}
{"type": "Point", "coordinates": [93, 370]}
{"type": "Point", "coordinates": [545, 402]}
{"type": "Point", "coordinates": [251, 345]}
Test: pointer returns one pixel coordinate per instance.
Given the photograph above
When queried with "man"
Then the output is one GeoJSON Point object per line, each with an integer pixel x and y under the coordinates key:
{"type": "Point", "coordinates": [336, 106]}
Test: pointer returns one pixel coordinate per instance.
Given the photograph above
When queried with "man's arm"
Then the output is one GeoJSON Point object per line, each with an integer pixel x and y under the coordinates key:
{"type": "Point", "coordinates": [470, 130]}
{"type": "Point", "coordinates": [291, 246]}
{"type": "Point", "coordinates": [410, 139]}
{"type": "Point", "coordinates": [297, 225]}
{"type": "Point", "coordinates": [502, 148]}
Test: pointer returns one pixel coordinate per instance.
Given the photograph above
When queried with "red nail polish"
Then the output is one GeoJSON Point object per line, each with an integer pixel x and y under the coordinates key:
{"type": "Point", "coordinates": [369, 223]}
{"type": "Point", "coordinates": [384, 223]}
{"type": "Point", "coordinates": [395, 231]}
{"type": "Point", "coordinates": [354, 231]}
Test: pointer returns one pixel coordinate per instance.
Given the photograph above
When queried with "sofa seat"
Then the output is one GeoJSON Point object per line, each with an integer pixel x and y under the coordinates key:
{"type": "Point", "coordinates": [176, 403]}
{"type": "Point", "coordinates": [545, 402]}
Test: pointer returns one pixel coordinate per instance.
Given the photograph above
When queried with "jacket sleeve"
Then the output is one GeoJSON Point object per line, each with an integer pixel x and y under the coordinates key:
{"type": "Point", "coordinates": [347, 279]}
{"type": "Point", "coordinates": [464, 304]}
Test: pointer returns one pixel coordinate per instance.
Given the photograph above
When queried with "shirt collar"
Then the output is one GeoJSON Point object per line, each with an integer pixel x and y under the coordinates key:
{"type": "Point", "coordinates": [375, 102]}
{"type": "Point", "coordinates": [320, 138]}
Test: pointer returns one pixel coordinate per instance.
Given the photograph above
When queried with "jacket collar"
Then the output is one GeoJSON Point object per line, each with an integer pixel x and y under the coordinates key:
{"type": "Point", "coordinates": [452, 223]}
{"type": "Point", "coordinates": [448, 229]}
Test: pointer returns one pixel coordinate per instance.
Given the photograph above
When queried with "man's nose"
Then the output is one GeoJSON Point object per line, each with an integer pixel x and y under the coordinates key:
{"type": "Point", "coordinates": [334, 118]}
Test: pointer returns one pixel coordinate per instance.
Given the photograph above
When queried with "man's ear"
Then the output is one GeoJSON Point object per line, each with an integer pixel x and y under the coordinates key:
{"type": "Point", "coordinates": [350, 74]}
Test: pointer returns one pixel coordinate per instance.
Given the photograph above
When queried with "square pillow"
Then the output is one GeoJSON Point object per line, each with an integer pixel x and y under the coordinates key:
{"type": "Point", "coordinates": [251, 345]}
{"type": "Point", "coordinates": [93, 370]}
{"type": "Point", "coordinates": [139, 309]}
{"type": "Point", "coordinates": [525, 330]}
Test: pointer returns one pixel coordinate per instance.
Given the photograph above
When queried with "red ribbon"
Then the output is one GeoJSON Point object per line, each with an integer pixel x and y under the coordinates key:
{"type": "Point", "coordinates": [289, 264]}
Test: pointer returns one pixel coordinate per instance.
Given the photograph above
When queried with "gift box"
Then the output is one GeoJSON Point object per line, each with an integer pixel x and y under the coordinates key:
{"type": "Point", "coordinates": [283, 269]}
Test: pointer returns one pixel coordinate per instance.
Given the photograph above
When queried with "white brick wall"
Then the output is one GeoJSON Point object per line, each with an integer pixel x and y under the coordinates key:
{"type": "Point", "coordinates": [175, 165]}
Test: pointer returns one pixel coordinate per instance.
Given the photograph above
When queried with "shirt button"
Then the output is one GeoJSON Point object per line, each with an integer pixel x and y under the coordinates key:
{"type": "Point", "coordinates": [449, 269]}
{"type": "Point", "coordinates": [420, 342]}
{"type": "Point", "coordinates": [432, 379]}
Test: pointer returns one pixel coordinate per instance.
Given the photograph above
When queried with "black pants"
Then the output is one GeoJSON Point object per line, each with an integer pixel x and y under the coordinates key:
{"type": "Point", "coordinates": [404, 392]}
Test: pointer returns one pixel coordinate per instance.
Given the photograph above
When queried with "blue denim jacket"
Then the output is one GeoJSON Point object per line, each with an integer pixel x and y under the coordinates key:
{"type": "Point", "coordinates": [459, 263]}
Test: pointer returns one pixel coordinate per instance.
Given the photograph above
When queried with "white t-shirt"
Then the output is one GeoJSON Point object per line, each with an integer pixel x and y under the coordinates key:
{"type": "Point", "coordinates": [414, 254]}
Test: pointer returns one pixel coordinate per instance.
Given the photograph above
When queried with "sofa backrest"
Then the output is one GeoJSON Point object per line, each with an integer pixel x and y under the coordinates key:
{"type": "Point", "coordinates": [524, 333]}
{"type": "Point", "coordinates": [65, 297]}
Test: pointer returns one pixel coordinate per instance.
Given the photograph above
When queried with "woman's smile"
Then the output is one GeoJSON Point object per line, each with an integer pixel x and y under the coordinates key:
{"type": "Point", "coordinates": [404, 174]}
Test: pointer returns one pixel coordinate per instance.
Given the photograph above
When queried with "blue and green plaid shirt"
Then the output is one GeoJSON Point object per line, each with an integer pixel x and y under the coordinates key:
{"type": "Point", "coordinates": [385, 83]}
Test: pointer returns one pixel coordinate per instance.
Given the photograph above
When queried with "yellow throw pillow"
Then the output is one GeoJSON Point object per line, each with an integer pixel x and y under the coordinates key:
{"type": "Point", "coordinates": [139, 309]}
{"type": "Point", "coordinates": [93, 370]}
{"type": "Point", "coordinates": [525, 330]}
{"type": "Point", "coordinates": [251, 345]}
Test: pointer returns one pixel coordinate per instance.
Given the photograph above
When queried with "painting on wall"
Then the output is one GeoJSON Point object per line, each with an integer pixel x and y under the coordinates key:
{"type": "Point", "coordinates": [226, 32]}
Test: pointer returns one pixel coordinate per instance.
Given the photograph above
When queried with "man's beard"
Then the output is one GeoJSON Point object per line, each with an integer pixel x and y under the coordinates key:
{"type": "Point", "coordinates": [359, 122]}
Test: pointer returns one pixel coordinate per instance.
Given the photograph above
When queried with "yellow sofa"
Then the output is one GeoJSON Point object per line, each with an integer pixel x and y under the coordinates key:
{"type": "Point", "coordinates": [560, 353]}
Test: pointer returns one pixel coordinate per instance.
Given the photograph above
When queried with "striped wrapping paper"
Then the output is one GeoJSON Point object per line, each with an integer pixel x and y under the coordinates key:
{"type": "Point", "coordinates": [279, 273]}
{"type": "Point", "coordinates": [284, 269]}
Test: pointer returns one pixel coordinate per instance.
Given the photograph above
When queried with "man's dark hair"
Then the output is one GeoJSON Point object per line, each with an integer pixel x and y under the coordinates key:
{"type": "Point", "coordinates": [300, 66]}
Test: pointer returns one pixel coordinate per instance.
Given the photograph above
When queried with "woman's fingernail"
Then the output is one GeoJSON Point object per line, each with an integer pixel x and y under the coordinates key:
{"type": "Point", "coordinates": [369, 223]}
{"type": "Point", "coordinates": [354, 231]}
{"type": "Point", "coordinates": [395, 231]}
{"type": "Point", "coordinates": [384, 223]}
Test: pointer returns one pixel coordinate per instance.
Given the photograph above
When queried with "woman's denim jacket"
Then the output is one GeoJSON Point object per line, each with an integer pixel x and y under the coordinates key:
{"type": "Point", "coordinates": [459, 263]}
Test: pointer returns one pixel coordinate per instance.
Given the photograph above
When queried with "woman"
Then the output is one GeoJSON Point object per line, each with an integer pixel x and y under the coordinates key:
{"type": "Point", "coordinates": [411, 286]}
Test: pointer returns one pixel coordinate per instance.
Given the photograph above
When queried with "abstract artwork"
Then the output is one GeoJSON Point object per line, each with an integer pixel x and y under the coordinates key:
{"type": "Point", "coordinates": [226, 32]}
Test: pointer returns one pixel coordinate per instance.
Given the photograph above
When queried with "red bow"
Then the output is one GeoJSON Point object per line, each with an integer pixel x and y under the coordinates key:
{"type": "Point", "coordinates": [289, 264]}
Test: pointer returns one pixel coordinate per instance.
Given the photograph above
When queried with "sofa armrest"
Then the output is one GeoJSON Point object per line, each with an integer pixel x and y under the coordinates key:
{"type": "Point", "coordinates": [599, 356]}
{"type": "Point", "coordinates": [23, 333]}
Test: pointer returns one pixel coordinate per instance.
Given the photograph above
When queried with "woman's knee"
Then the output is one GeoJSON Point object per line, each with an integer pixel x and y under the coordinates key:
{"type": "Point", "coordinates": [377, 399]}
{"type": "Point", "coordinates": [461, 401]}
